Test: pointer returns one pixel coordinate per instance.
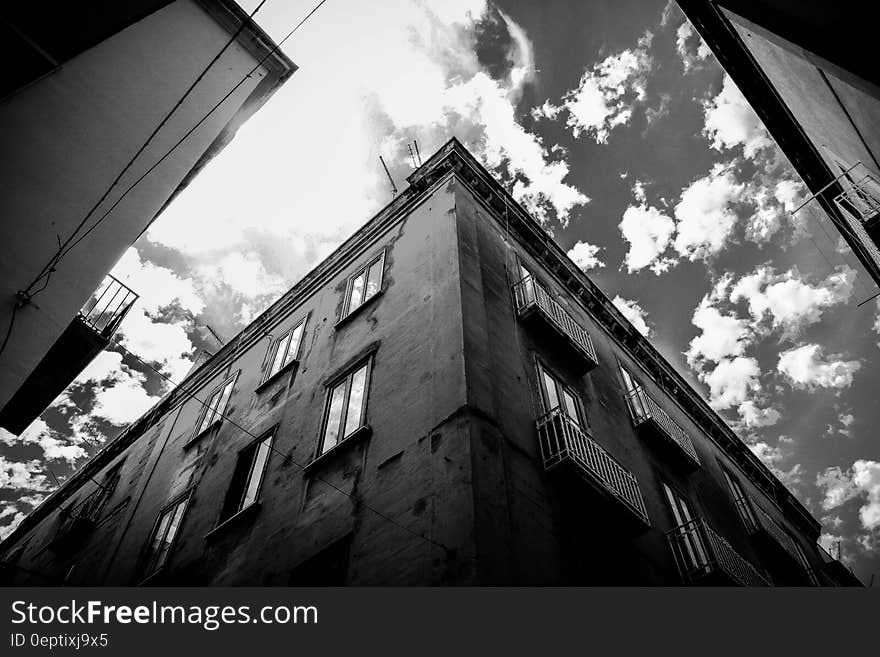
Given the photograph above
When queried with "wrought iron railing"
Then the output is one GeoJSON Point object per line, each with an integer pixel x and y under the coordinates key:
{"type": "Point", "coordinates": [860, 199]}
{"type": "Point", "coordinates": [561, 439]}
{"type": "Point", "coordinates": [643, 408]}
{"type": "Point", "coordinates": [86, 513]}
{"type": "Point", "coordinates": [771, 527]}
{"type": "Point", "coordinates": [700, 551]}
{"type": "Point", "coordinates": [108, 306]}
{"type": "Point", "coordinates": [529, 294]}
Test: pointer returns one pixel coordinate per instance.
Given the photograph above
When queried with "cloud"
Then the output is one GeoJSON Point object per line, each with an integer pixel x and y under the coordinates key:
{"type": "Point", "coordinates": [634, 313]}
{"type": "Point", "coordinates": [606, 94]}
{"type": "Point", "coordinates": [684, 36]}
{"type": "Point", "coordinates": [705, 218]}
{"type": "Point", "coordinates": [584, 255]}
{"type": "Point", "coordinates": [862, 480]}
{"type": "Point", "coordinates": [806, 367]}
{"type": "Point", "coordinates": [648, 232]}
{"type": "Point", "coordinates": [23, 476]}
{"type": "Point", "coordinates": [754, 417]}
{"type": "Point", "coordinates": [787, 300]}
{"type": "Point", "coordinates": [729, 122]}
{"type": "Point", "coordinates": [119, 393]}
{"type": "Point", "coordinates": [731, 381]}
{"type": "Point", "coordinates": [54, 447]}
{"type": "Point", "coordinates": [17, 516]}
{"type": "Point", "coordinates": [721, 335]}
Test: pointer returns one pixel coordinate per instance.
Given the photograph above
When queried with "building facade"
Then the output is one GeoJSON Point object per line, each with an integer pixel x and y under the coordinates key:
{"type": "Point", "coordinates": [808, 71]}
{"type": "Point", "coordinates": [446, 399]}
{"type": "Point", "coordinates": [89, 86]}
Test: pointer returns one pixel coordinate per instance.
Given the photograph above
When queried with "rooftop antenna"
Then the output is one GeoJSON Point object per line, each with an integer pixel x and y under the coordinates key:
{"type": "Point", "coordinates": [412, 156]}
{"type": "Point", "coordinates": [418, 155]}
{"type": "Point", "coordinates": [388, 173]}
{"type": "Point", "coordinates": [214, 333]}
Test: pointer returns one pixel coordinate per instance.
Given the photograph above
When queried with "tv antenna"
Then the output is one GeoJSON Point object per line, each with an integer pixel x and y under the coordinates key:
{"type": "Point", "coordinates": [214, 333]}
{"type": "Point", "coordinates": [390, 179]}
{"type": "Point", "coordinates": [414, 154]}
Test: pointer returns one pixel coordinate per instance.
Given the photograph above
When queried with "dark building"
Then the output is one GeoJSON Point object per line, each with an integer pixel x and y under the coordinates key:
{"type": "Point", "coordinates": [808, 68]}
{"type": "Point", "coordinates": [446, 399]}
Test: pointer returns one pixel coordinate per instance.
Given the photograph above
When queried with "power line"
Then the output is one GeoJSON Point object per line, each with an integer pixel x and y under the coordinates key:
{"type": "Point", "coordinates": [61, 248]}
{"type": "Point", "coordinates": [100, 220]}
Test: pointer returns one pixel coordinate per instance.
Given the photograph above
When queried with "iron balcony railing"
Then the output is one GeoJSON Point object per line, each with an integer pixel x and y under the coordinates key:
{"type": "Point", "coordinates": [530, 295]}
{"type": "Point", "coordinates": [643, 408]}
{"type": "Point", "coordinates": [699, 551]}
{"type": "Point", "coordinates": [108, 306]}
{"type": "Point", "coordinates": [84, 515]}
{"type": "Point", "coordinates": [860, 199]}
{"type": "Point", "coordinates": [562, 439]}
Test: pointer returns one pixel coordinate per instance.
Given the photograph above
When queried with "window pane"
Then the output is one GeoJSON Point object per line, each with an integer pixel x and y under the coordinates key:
{"type": "Point", "coordinates": [334, 417]}
{"type": "Point", "coordinates": [221, 407]}
{"type": "Point", "coordinates": [550, 388]}
{"type": "Point", "coordinates": [355, 401]}
{"type": "Point", "coordinates": [356, 297]}
{"type": "Point", "coordinates": [169, 536]}
{"type": "Point", "coordinates": [374, 279]}
{"type": "Point", "coordinates": [158, 538]}
{"type": "Point", "coordinates": [280, 354]}
{"type": "Point", "coordinates": [255, 478]}
{"type": "Point", "coordinates": [293, 348]}
{"type": "Point", "coordinates": [627, 379]}
{"type": "Point", "coordinates": [570, 406]}
{"type": "Point", "coordinates": [210, 410]}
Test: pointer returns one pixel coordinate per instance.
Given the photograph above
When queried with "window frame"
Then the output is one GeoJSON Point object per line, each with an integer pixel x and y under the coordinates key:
{"type": "Point", "coordinates": [245, 484]}
{"type": "Point", "coordinates": [217, 415]}
{"type": "Point", "coordinates": [561, 386]}
{"type": "Point", "coordinates": [347, 310]}
{"type": "Point", "coordinates": [288, 359]}
{"type": "Point", "coordinates": [344, 379]}
{"type": "Point", "coordinates": [674, 498]}
{"type": "Point", "coordinates": [151, 567]}
{"type": "Point", "coordinates": [742, 503]}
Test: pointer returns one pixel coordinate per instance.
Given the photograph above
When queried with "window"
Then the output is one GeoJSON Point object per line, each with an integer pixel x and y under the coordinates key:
{"type": "Point", "coordinates": [247, 477]}
{"type": "Point", "coordinates": [215, 407]}
{"type": "Point", "coordinates": [689, 538]}
{"type": "Point", "coordinates": [629, 382]}
{"type": "Point", "coordinates": [346, 408]}
{"type": "Point", "coordinates": [556, 395]}
{"type": "Point", "coordinates": [285, 349]}
{"type": "Point", "coordinates": [164, 534]}
{"type": "Point", "coordinates": [805, 564]}
{"type": "Point", "coordinates": [364, 284]}
{"type": "Point", "coordinates": [743, 506]}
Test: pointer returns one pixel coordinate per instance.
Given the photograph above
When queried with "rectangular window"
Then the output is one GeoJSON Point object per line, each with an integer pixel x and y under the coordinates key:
{"type": "Point", "coordinates": [285, 349]}
{"type": "Point", "coordinates": [690, 539]}
{"type": "Point", "coordinates": [629, 381]}
{"type": "Point", "coordinates": [364, 284]}
{"type": "Point", "coordinates": [167, 527]}
{"type": "Point", "coordinates": [247, 477]}
{"type": "Point", "coordinates": [743, 506]}
{"type": "Point", "coordinates": [555, 394]}
{"type": "Point", "coordinates": [346, 408]}
{"type": "Point", "coordinates": [215, 407]}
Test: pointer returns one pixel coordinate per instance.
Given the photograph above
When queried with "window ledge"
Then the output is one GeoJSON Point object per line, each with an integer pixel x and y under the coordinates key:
{"type": "Point", "coordinates": [357, 435]}
{"type": "Point", "coordinates": [210, 428]}
{"type": "Point", "coordinates": [342, 322]}
{"type": "Point", "coordinates": [280, 373]}
{"type": "Point", "coordinates": [247, 512]}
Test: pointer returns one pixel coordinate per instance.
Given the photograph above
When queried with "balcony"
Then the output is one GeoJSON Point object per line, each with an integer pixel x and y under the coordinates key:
{"type": "Point", "coordinates": [703, 556]}
{"type": "Point", "coordinates": [79, 520]}
{"type": "Point", "coordinates": [565, 446]}
{"type": "Point", "coordinates": [861, 202]}
{"type": "Point", "coordinates": [787, 563]}
{"type": "Point", "coordinates": [84, 338]}
{"type": "Point", "coordinates": [652, 422]}
{"type": "Point", "coordinates": [534, 304]}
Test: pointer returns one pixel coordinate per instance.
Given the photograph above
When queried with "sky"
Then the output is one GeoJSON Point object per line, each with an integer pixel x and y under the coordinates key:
{"type": "Point", "coordinates": [613, 124]}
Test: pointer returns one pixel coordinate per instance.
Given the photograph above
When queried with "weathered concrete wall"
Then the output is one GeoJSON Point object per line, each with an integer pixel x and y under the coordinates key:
{"type": "Point", "coordinates": [414, 470]}
{"type": "Point", "coordinates": [525, 532]}
{"type": "Point", "coordinates": [66, 137]}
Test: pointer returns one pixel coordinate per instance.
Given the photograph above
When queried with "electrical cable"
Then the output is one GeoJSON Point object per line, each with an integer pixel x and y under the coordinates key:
{"type": "Point", "coordinates": [61, 249]}
{"type": "Point", "coordinates": [70, 245]}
